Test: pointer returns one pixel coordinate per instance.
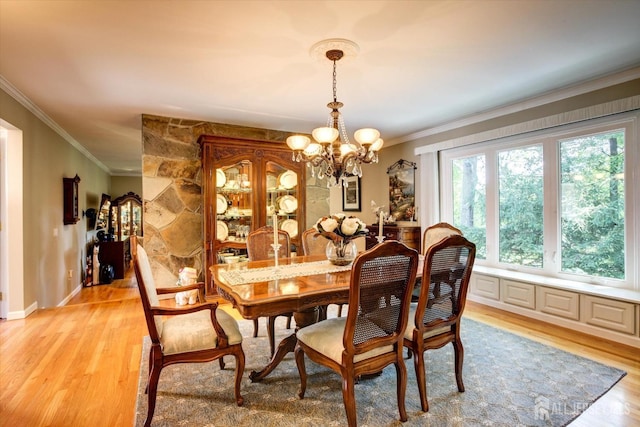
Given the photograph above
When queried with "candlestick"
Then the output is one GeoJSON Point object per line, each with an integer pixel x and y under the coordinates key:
{"type": "Point", "coordinates": [381, 224]}
{"type": "Point", "coordinates": [276, 249]}
{"type": "Point", "coordinates": [275, 229]}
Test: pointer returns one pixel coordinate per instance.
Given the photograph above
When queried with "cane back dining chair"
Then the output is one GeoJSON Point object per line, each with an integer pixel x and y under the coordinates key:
{"type": "Point", "coordinates": [436, 232]}
{"type": "Point", "coordinates": [314, 244]}
{"type": "Point", "coordinates": [434, 320]}
{"type": "Point", "coordinates": [259, 248]}
{"type": "Point", "coordinates": [433, 234]}
{"type": "Point", "coordinates": [369, 337]}
{"type": "Point", "coordinates": [189, 334]}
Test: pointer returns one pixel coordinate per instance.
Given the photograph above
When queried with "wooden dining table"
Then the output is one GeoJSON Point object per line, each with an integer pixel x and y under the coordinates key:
{"type": "Point", "coordinates": [283, 289]}
{"type": "Point", "coordinates": [301, 285]}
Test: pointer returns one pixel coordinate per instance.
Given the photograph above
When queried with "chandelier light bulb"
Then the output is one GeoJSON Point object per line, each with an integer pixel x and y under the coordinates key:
{"type": "Point", "coordinates": [346, 149]}
{"type": "Point", "coordinates": [366, 136]}
{"type": "Point", "coordinates": [325, 135]}
{"type": "Point", "coordinates": [376, 146]}
{"type": "Point", "coordinates": [298, 142]}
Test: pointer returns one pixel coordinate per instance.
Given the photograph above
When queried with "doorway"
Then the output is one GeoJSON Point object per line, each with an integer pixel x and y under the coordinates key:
{"type": "Point", "coordinates": [11, 222]}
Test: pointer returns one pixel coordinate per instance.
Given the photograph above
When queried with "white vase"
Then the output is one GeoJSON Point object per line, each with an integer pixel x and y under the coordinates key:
{"type": "Point", "coordinates": [341, 253]}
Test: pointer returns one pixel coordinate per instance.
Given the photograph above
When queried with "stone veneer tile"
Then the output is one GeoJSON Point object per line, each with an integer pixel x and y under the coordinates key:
{"type": "Point", "coordinates": [184, 237]}
{"type": "Point", "coordinates": [190, 194]}
{"type": "Point", "coordinates": [152, 187]}
{"type": "Point", "coordinates": [170, 201]}
{"type": "Point", "coordinates": [178, 169]}
{"type": "Point", "coordinates": [150, 165]}
{"type": "Point", "coordinates": [157, 216]}
{"type": "Point", "coordinates": [156, 145]}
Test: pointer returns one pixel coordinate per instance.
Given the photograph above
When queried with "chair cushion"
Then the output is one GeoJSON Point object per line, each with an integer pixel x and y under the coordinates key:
{"type": "Point", "coordinates": [434, 235]}
{"type": "Point", "coordinates": [194, 331]}
{"type": "Point", "coordinates": [411, 324]}
{"type": "Point", "coordinates": [326, 338]}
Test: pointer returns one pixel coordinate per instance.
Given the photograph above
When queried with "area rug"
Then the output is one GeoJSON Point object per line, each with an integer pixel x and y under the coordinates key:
{"type": "Point", "coordinates": [509, 381]}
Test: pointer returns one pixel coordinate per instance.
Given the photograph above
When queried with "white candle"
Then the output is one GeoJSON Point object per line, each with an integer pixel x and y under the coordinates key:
{"type": "Point", "coordinates": [381, 224]}
{"type": "Point", "coordinates": [275, 230]}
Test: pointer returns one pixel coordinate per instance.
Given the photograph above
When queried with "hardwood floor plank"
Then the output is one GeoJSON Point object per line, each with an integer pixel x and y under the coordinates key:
{"type": "Point", "coordinates": [79, 364]}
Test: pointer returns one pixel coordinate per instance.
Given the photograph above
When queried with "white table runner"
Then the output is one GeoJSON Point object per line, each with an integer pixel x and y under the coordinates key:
{"type": "Point", "coordinates": [287, 271]}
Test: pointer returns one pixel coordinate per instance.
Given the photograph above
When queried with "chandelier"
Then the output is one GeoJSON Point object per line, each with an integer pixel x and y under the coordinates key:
{"type": "Point", "coordinates": [331, 154]}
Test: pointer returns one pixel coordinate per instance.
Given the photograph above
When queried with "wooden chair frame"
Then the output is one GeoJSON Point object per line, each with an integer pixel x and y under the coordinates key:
{"type": "Point", "coordinates": [440, 331]}
{"type": "Point", "coordinates": [259, 252]}
{"type": "Point", "coordinates": [350, 369]}
{"type": "Point", "coordinates": [315, 244]}
{"type": "Point", "coordinates": [158, 360]}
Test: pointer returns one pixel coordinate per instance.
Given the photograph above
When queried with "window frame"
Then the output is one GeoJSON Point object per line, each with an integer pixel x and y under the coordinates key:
{"type": "Point", "coordinates": [550, 140]}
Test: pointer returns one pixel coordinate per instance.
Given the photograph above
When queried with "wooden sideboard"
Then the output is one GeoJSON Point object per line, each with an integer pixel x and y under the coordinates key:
{"type": "Point", "coordinates": [116, 254]}
{"type": "Point", "coordinates": [407, 234]}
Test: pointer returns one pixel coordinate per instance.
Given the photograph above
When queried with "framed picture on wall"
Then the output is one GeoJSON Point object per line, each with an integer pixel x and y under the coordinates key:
{"type": "Point", "coordinates": [351, 194]}
{"type": "Point", "coordinates": [402, 194]}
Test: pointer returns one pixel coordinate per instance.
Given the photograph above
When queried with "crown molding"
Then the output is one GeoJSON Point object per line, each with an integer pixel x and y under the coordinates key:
{"type": "Point", "coordinates": [549, 97]}
{"type": "Point", "coordinates": [26, 103]}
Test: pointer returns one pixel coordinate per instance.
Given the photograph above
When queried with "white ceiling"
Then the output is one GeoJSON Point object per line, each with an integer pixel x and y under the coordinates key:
{"type": "Point", "coordinates": [95, 66]}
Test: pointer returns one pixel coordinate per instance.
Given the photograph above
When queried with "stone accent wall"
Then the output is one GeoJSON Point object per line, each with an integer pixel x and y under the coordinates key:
{"type": "Point", "coordinates": [171, 190]}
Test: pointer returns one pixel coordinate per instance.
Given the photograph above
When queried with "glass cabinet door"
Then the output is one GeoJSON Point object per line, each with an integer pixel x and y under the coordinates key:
{"type": "Point", "coordinates": [282, 198]}
{"type": "Point", "coordinates": [125, 220]}
{"type": "Point", "coordinates": [137, 219]}
{"type": "Point", "coordinates": [234, 202]}
{"type": "Point", "coordinates": [115, 228]}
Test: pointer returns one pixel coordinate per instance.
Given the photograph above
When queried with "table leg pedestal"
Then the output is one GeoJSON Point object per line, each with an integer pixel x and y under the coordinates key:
{"type": "Point", "coordinates": [287, 345]}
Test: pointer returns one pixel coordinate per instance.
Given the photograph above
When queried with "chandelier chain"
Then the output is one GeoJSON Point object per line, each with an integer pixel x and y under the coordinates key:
{"type": "Point", "coordinates": [335, 82]}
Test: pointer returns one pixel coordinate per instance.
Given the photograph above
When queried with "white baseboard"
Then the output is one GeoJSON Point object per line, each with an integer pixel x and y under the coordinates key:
{"type": "Point", "coordinates": [15, 315]}
{"type": "Point", "coordinates": [71, 295]}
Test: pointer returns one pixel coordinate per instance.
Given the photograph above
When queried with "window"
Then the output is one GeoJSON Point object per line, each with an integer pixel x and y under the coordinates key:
{"type": "Point", "coordinates": [557, 202]}
{"type": "Point", "coordinates": [469, 200]}
{"type": "Point", "coordinates": [520, 206]}
{"type": "Point", "coordinates": [592, 205]}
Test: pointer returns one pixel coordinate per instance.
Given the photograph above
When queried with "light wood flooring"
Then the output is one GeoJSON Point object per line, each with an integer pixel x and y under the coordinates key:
{"type": "Point", "coordinates": [78, 365]}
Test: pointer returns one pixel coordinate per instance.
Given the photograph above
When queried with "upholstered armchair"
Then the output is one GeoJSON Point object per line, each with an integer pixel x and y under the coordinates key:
{"type": "Point", "coordinates": [190, 334]}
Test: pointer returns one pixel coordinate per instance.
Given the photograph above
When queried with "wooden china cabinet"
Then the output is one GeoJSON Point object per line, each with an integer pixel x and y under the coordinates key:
{"type": "Point", "coordinates": [126, 216]}
{"type": "Point", "coordinates": [125, 220]}
{"type": "Point", "coordinates": [245, 183]}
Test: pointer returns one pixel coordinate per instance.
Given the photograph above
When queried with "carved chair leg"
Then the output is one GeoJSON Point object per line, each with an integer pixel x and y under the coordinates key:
{"type": "Point", "coordinates": [299, 354]}
{"type": "Point", "coordinates": [401, 382]}
{"type": "Point", "coordinates": [458, 351]}
{"type": "Point", "coordinates": [154, 377]}
{"type": "Point", "coordinates": [238, 378]}
{"type": "Point", "coordinates": [322, 313]}
{"type": "Point", "coordinates": [349, 399]}
{"type": "Point", "coordinates": [418, 362]}
{"type": "Point", "coordinates": [221, 360]}
{"type": "Point", "coordinates": [289, 316]}
{"type": "Point", "coordinates": [255, 328]}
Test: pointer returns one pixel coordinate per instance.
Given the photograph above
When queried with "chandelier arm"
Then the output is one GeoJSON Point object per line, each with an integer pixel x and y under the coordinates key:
{"type": "Point", "coordinates": [315, 160]}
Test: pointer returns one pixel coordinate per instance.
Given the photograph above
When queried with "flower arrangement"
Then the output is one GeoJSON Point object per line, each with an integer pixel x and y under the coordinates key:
{"type": "Point", "coordinates": [340, 227]}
